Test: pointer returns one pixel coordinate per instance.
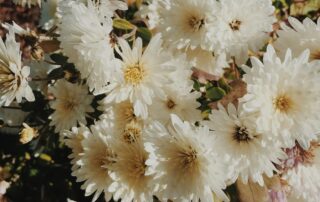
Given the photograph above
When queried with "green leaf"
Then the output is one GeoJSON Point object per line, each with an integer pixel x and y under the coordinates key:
{"type": "Point", "coordinates": [39, 103]}
{"type": "Point", "coordinates": [145, 34]}
{"type": "Point", "coordinates": [58, 58]}
{"type": "Point", "coordinates": [122, 24]}
{"type": "Point", "coordinates": [215, 93]}
{"type": "Point", "coordinates": [208, 85]}
{"type": "Point", "coordinates": [45, 157]}
{"type": "Point", "coordinates": [57, 73]}
{"type": "Point", "coordinates": [196, 85]}
{"type": "Point", "coordinates": [223, 84]}
{"type": "Point", "coordinates": [33, 172]}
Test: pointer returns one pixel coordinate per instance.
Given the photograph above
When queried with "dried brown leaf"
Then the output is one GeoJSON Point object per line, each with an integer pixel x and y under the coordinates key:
{"type": "Point", "coordinates": [239, 89]}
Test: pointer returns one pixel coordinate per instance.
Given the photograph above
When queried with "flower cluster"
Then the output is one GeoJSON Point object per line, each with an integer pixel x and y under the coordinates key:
{"type": "Point", "coordinates": [175, 99]}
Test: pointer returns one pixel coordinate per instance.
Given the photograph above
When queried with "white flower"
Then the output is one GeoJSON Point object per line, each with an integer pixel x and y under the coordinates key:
{"type": "Point", "coordinates": [97, 156]}
{"type": "Point", "coordinates": [85, 40]}
{"type": "Point", "coordinates": [247, 153]}
{"type": "Point", "coordinates": [13, 76]}
{"type": "Point", "coordinates": [187, 169]}
{"type": "Point", "coordinates": [73, 140]}
{"type": "Point", "coordinates": [127, 127]}
{"type": "Point", "coordinates": [207, 61]}
{"type": "Point", "coordinates": [106, 8]}
{"type": "Point", "coordinates": [302, 36]}
{"type": "Point", "coordinates": [4, 185]}
{"type": "Point", "coordinates": [72, 103]}
{"type": "Point", "coordinates": [178, 101]}
{"type": "Point", "coordinates": [304, 179]}
{"type": "Point", "coordinates": [142, 75]}
{"type": "Point", "coordinates": [29, 3]}
{"type": "Point", "coordinates": [286, 96]}
{"type": "Point", "coordinates": [120, 114]}
{"type": "Point", "coordinates": [150, 12]}
{"type": "Point", "coordinates": [185, 23]}
{"type": "Point", "coordinates": [181, 76]}
{"type": "Point", "coordinates": [132, 177]}
{"type": "Point", "coordinates": [242, 25]}
{"type": "Point", "coordinates": [17, 29]}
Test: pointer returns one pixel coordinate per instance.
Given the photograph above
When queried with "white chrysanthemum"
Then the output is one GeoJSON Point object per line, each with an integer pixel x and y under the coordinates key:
{"type": "Point", "coordinates": [242, 25]}
{"type": "Point", "coordinates": [13, 76]}
{"type": "Point", "coordinates": [73, 140]}
{"type": "Point", "coordinates": [181, 76]}
{"type": "Point", "coordinates": [187, 169]}
{"type": "Point", "coordinates": [28, 3]}
{"type": "Point", "coordinates": [127, 127]}
{"type": "Point", "coordinates": [72, 103]}
{"type": "Point", "coordinates": [150, 12]}
{"type": "Point", "coordinates": [178, 101]}
{"type": "Point", "coordinates": [95, 160]}
{"type": "Point", "coordinates": [120, 114]}
{"type": "Point", "coordinates": [142, 77]}
{"type": "Point", "coordinates": [106, 8]}
{"type": "Point", "coordinates": [185, 23]}
{"type": "Point", "coordinates": [85, 40]}
{"type": "Point", "coordinates": [207, 61]}
{"type": "Point", "coordinates": [17, 29]}
{"type": "Point", "coordinates": [304, 179]}
{"type": "Point", "coordinates": [133, 180]}
{"type": "Point", "coordinates": [301, 36]}
{"type": "Point", "coordinates": [288, 109]}
{"type": "Point", "coordinates": [248, 153]}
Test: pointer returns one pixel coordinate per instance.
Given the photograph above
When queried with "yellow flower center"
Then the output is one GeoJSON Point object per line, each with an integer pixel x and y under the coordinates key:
{"type": "Point", "coordinates": [235, 25]}
{"type": "Point", "coordinates": [7, 79]}
{"type": "Point", "coordinates": [103, 159]}
{"type": "Point", "coordinates": [189, 157]}
{"type": "Point", "coordinates": [134, 74]}
{"type": "Point", "coordinates": [283, 103]}
{"type": "Point", "coordinates": [128, 114]}
{"type": "Point", "coordinates": [139, 167]}
{"type": "Point", "coordinates": [131, 134]}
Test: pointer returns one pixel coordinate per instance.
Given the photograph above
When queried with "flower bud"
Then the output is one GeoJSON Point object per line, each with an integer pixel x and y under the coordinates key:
{"type": "Point", "coordinates": [27, 134]}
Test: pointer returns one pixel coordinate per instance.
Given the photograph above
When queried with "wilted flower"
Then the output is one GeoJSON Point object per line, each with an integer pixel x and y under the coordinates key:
{"type": "Point", "coordinates": [27, 134]}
